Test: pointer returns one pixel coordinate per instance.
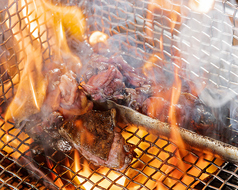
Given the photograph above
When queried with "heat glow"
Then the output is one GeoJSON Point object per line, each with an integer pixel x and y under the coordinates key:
{"type": "Point", "coordinates": [61, 21]}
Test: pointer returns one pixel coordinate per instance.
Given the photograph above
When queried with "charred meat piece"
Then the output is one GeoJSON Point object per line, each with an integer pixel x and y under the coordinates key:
{"type": "Point", "coordinates": [64, 95]}
{"type": "Point", "coordinates": [94, 135]}
{"type": "Point", "coordinates": [46, 132]}
{"type": "Point", "coordinates": [113, 78]}
{"type": "Point", "coordinates": [105, 84]}
{"type": "Point", "coordinates": [190, 112]}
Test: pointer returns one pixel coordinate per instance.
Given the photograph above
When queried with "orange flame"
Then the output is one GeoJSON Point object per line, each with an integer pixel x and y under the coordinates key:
{"type": "Point", "coordinates": [85, 171]}
{"type": "Point", "coordinates": [168, 8]}
{"type": "Point", "coordinates": [80, 172]}
{"type": "Point", "coordinates": [155, 108]}
{"type": "Point", "coordinates": [58, 182]}
{"type": "Point", "coordinates": [176, 91]}
{"type": "Point", "coordinates": [31, 94]}
{"type": "Point", "coordinates": [14, 142]}
{"type": "Point", "coordinates": [31, 36]}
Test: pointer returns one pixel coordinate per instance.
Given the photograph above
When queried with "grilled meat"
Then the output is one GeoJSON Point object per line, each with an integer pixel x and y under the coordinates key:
{"type": "Point", "coordinates": [140, 89]}
{"type": "Point", "coordinates": [64, 95]}
{"type": "Point", "coordinates": [93, 134]}
{"type": "Point", "coordinates": [108, 78]}
{"type": "Point", "coordinates": [190, 112]}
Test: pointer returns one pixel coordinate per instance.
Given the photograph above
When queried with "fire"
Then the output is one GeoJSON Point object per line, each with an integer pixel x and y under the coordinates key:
{"type": "Point", "coordinates": [31, 36]}
{"type": "Point", "coordinates": [57, 21]}
{"type": "Point", "coordinates": [182, 165]}
{"type": "Point", "coordinates": [165, 7]}
{"type": "Point", "coordinates": [58, 181]}
{"type": "Point", "coordinates": [201, 6]}
{"type": "Point", "coordinates": [83, 171]}
{"type": "Point", "coordinates": [31, 94]}
{"type": "Point", "coordinates": [13, 141]}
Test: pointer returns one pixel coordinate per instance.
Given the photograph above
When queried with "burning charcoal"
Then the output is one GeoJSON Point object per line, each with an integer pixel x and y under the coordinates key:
{"type": "Point", "coordinates": [94, 135]}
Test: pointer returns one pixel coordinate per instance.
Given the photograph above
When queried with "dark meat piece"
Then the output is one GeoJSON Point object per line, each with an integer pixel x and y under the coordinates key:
{"type": "Point", "coordinates": [105, 84]}
{"type": "Point", "coordinates": [190, 113]}
{"type": "Point", "coordinates": [94, 135]}
{"type": "Point", "coordinates": [64, 95]}
{"type": "Point", "coordinates": [114, 79]}
{"type": "Point", "coordinates": [132, 76]}
{"type": "Point", "coordinates": [134, 98]}
{"type": "Point", "coordinates": [46, 133]}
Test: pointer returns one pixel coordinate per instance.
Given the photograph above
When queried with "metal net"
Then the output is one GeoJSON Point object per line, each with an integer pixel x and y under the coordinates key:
{"type": "Point", "coordinates": [139, 29]}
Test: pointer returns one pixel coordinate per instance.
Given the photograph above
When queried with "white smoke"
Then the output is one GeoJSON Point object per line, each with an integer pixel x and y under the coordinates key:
{"type": "Point", "coordinates": [209, 57]}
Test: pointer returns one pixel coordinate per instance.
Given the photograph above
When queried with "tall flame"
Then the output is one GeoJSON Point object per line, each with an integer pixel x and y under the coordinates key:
{"type": "Point", "coordinates": [166, 7]}
{"type": "Point", "coordinates": [32, 37]}
{"type": "Point", "coordinates": [31, 94]}
{"type": "Point", "coordinates": [155, 108]}
{"type": "Point", "coordinates": [41, 25]}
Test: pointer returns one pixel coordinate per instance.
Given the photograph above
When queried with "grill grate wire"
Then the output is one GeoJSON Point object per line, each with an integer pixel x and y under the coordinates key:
{"type": "Point", "coordinates": [125, 20]}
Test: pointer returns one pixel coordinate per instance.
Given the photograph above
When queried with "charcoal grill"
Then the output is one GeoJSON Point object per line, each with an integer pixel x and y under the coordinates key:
{"type": "Point", "coordinates": [129, 22]}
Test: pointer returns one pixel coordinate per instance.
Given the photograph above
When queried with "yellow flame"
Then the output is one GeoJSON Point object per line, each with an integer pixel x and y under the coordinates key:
{"type": "Point", "coordinates": [72, 18]}
{"type": "Point", "coordinates": [85, 171]}
{"type": "Point", "coordinates": [56, 20]}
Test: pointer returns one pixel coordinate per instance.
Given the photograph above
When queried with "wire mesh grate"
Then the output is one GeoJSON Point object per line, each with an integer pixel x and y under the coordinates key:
{"type": "Point", "coordinates": [138, 32]}
{"type": "Point", "coordinates": [157, 158]}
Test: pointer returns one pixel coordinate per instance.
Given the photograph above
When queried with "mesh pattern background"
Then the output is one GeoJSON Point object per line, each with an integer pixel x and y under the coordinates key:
{"type": "Point", "coordinates": [158, 164]}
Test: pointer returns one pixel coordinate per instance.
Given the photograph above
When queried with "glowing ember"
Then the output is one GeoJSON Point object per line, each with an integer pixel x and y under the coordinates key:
{"type": "Point", "coordinates": [57, 181]}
